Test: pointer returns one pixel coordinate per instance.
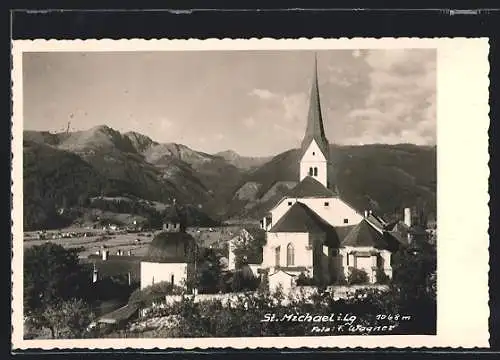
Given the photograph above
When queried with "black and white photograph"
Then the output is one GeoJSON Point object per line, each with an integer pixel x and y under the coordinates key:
{"type": "Point", "coordinates": [248, 193]}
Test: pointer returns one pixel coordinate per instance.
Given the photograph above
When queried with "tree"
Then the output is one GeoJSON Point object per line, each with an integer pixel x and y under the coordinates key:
{"type": "Point", "coordinates": [357, 276]}
{"type": "Point", "coordinates": [52, 274]}
{"type": "Point", "coordinates": [382, 277]}
{"type": "Point", "coordinates": [413, 284]}
{"type": "Point", "coordinates": [156, 292]}
{"type": "Point", "coordinates": [244, 280]}
{"type": "Point", "coordinates": [209, 273]}
{"type": "Point", "coordinates": [65, 319]}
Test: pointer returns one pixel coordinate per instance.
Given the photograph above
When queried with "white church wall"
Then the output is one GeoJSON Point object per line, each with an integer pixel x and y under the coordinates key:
{"type": "Point", "coordinates": [281, 209]}
{"type": "Point", "coordinates": [334, 211]}
{"type": "Point", "coordinates": [154, 272]}
{"type": "Point", "coordinates": [300, 242]}
{"type": "Point", "coordinates": [314, 158]}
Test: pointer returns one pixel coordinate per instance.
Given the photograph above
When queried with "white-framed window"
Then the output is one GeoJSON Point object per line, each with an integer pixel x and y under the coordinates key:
{"type": "Point", "coordinates": [290, 255]}
{"type": "Point", "coordinates": [277, 255]}
{"type": "Point", "coordinates": [315, 171]}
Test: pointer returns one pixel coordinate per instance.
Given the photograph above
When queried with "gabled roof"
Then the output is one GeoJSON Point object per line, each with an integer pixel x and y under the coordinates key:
{"type": "Point", "coordinates": [314, 129]}
{"type": "Point", "coordinates": [282, 271]}
{"type": "Point", "coordinates": [364, 234]}
{"type": "Point", "coordinates": [309, 187]}
{"type": "Point", "coordinates": [301, 219]}
{"type": "Point", "coordinates": [377, 221]}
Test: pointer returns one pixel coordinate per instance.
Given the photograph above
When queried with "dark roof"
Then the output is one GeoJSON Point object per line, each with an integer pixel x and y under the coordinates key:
{"type": "Point", "coordinates": [160, 249]}
{"type": "Point", "coordinates": [375, 220]}
{"type": "Point", "coordinates": [343, 231]}
{"type": "Point", "coordinates": [300, 218]}
{"type": "Point", "coordinates": [399, 226]}
{"type": "Point", "coordinates": [119, 315]}
{"type": "Point", "coordinates": [398, 236]}
{"type": "Point", "coordinates": [364, 234]}
{"type": "Point", "coordinates": [310, 187]}
{"type": "Point", "coordinates": [314, 129]}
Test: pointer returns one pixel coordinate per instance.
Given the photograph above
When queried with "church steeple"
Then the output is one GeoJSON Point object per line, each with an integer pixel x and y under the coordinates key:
{"type": "Point", "coordinates": [314, 129]}
{"type": "Point", "coordinates": [314, 149]}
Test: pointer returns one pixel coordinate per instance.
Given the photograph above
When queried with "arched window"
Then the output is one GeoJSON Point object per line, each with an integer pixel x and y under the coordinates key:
{"type": "Point", "coordinates": [315, 171]}
{"type": "Point", "coordinates": [277, 255]}
{"type": "Point", "coordinates": [310, 171]}
{"type": "Point", "coordinates": [290, 255]}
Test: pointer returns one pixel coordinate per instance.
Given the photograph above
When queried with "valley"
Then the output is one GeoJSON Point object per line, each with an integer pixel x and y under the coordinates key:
{"type": "Point", "coordinates": [65, 172]}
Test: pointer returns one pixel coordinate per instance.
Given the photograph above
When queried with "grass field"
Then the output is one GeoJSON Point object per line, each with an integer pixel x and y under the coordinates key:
{"type": "Point", "coordinates": [94, 240]}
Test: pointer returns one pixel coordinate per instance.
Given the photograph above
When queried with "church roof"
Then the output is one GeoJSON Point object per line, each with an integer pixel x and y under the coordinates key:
{"type": "Point", "coordinates": [314, 129]}
{"type": "Point", "coordinates": [364, 234]}
{"type": "Point", "coordinates": [301, 219]}
{"type": "Point", "coordinates": [310, 187]}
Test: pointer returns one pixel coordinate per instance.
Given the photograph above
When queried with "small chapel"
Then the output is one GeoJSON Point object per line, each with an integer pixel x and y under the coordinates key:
{"type": "Point", "coordinates": [312, 230]}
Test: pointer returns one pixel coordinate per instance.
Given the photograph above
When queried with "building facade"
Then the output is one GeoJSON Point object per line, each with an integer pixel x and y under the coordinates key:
{"type": "Point", "coordinates": [313, 231]}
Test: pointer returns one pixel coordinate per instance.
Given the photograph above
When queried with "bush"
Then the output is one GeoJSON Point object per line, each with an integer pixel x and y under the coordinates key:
{"type": "Point", "coordinates": [244, 280]}
{"type": "Point", "coordinates": [303, 280]}
{"type": "Point", "coordinates": [155, 292]}
{"type": "Point", "coordinates": [357, 276]}
{"type": "Point", "coordinates": [382, 277]}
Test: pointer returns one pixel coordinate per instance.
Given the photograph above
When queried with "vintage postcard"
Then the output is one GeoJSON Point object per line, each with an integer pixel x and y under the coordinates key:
{"type": "Point", "coordinates": [263, 193]}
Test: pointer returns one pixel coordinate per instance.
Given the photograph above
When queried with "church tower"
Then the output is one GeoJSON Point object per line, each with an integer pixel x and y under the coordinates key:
{"type": "Point", "coordinates": [314, 150]}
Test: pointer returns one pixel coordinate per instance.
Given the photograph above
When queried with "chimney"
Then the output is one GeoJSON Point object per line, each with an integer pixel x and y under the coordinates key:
{"type": "Point", "coordinates": [366, 214]}
{"type": "Point", "coordinates": [129, 279]}
{"type": "Point", "coordinates": [105, 255]}
{"type": "Point", "coordinates": [231, 261]}
{"type": "Point", "coordinates": [95, 275]}
{"type": "Point", "coordinates": [407, 217]}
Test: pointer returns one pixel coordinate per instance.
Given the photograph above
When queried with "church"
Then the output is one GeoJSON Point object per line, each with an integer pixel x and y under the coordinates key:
{"type": "Point", "coordinates": [313, 231]}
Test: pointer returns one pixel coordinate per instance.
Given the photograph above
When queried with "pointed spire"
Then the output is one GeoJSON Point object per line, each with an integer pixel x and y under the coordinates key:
{"type": "Point", "coordinates": [314, 129]}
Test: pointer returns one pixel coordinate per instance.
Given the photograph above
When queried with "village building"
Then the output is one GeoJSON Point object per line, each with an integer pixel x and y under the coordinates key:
{"type": "Point", "coordinates": [172, 253]}
{"type": "Point", "coordinates": [313, 231]}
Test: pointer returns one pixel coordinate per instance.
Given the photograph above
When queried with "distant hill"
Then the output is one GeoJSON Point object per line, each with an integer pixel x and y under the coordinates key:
{"type": "Point", "coordinates": [64, 170]}
{"type": "Point", "coordinates": [243, 162]}
{"type": "Point", "coordinates": [382, 177]}
{"type": "Point", "coordinates": [119, 165]}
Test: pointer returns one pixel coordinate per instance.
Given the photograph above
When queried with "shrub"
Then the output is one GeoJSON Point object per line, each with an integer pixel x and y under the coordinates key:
{"type": "Point", "coordinates": [146, 296]}
{"type": "Point", "coordinates": [303, 280]}
{"type": "Point", "coordinates": [382, 277]}
{"type": "Point", "coordinates": [357, 276]}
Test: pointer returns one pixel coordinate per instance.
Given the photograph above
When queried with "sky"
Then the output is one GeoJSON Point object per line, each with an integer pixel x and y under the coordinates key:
{"type": "Point", "coordinates": [252, 102]}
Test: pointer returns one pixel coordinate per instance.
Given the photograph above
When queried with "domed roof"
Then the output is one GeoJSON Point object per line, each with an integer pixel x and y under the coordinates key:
{"type": "Point", "coordinates": [175, 247]}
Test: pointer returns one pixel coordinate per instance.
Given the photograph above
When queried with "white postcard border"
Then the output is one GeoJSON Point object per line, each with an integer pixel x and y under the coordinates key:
{"type": "Point", "coordinates": [463, 213]}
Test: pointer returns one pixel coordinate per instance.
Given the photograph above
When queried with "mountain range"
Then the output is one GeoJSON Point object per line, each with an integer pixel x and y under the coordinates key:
{"type": "Point", "coordinates": [65, 170]}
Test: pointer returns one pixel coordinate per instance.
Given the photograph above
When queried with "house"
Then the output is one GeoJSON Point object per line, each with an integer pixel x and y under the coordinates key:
{"type": "Point", "coordinates": [172, 253]}
{"type": "Point", "coordinates": [312, 230]}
